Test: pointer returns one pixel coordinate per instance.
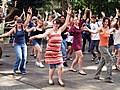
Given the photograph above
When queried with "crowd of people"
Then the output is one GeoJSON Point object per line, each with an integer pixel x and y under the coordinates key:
{"type": "Point", "coordinates": [65, 35]}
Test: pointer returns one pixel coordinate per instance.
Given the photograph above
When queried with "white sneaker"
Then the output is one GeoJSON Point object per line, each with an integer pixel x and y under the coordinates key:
{"type": "Point", "coordinates": [41, 65]}
{"type": "Point", "coordinates": [37, 63]}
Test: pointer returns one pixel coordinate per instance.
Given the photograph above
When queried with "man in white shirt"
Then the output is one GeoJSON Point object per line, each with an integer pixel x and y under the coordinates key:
{"type": "Point", "coordinates": [95, 38]}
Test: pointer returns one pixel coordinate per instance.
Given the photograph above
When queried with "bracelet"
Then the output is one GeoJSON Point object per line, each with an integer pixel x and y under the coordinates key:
{"type": "Point", "coordinates": [28, 13]}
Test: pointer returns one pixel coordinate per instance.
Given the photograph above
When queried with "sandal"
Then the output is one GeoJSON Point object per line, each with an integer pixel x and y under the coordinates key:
{"type": "Point", "coordinates": [73, 70]}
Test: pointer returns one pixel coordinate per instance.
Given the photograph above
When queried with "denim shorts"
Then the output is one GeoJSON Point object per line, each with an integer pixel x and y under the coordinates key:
{"type": "Point", "coordinates": [35, 42]}
{"type": "Point", "coordinates": [54, 65]}
{"type": "Point", "coordinates": [117, 47]}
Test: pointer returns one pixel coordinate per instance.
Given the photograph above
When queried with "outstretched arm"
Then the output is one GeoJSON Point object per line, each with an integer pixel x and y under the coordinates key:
{"type": "Point", "coordinates": [99, 30]}
{"type": "Point", "coordinates": [46, 34]}
{"type": "Point", "coordinates": [8, 33]}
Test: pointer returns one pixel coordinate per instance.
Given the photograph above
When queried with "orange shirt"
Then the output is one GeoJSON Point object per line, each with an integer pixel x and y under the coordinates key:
{"type": "Point", "coordinates": [104, 38]}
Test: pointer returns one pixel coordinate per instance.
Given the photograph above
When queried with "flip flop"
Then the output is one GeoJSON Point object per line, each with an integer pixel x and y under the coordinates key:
{"type": "Point", "coordinates": [73, 70]}
{"type": "Point", "coordinates": [82, 73]}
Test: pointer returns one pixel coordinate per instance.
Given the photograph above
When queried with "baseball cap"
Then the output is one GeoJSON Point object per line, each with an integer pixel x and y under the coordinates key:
{"type": "Point", "coordinates": [19, 20]}
{"type": "Point", "coordinates": [34, 17]}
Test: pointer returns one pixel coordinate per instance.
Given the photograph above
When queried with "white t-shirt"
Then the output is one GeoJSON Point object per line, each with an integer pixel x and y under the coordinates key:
{"type": "Point", "coordinates": [94, 27]}
{"type": "Point", "coordinates": [117, 37]}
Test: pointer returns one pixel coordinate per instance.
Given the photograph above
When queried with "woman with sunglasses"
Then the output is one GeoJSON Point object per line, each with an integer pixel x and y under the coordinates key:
{"type": "Point", "coordinates": [19, 43]}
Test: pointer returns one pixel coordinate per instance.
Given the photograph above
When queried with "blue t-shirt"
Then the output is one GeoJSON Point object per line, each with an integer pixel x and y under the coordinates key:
{"type": "Point", "coordinates": [31, 24]}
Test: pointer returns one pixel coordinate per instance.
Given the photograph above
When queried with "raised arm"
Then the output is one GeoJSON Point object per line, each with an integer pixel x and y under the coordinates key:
{"type": "Point", "coordinates": [79, 15]}
{"type": "Point", "coordinates": [67, 20]}
{"type": "Point", "coordinates": [8, 33]}
{"type": "Point", "coordinates": [84, 16]}
{"type": "Point", "coordinates": [7, 17]}
{"type": "Point", "coordinates": [29, 14]}
{"type": "Point", "coordinates": [114, 22]}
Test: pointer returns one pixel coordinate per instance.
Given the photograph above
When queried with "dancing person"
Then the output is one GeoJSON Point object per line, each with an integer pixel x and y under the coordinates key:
{"type": "Point", "coordinates": [107, 60]}
{"type": "Point", "coordinates": [77, 44]}
{"type": "Point", "coordinates": [32, 23]}
{"type": "Point", "coordinates": [37, 43]}
{"type": "Point", "coordinates": [95, 37]}
{"type": "Point", "coordinates": [53, 54]}
{"type": "Point", "coordinates": [19, 44]}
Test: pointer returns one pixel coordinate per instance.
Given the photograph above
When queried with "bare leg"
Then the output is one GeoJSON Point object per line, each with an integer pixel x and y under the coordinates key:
{"type": "Point", "coordinates": [60, 73]}
{"type": "Point", "coordinates": [51, 72]}
{"type": "Point", "coordinates": [75, 61]}
{"type": "Point", "coordinates": [39, 49]}
{"type": "Point", "coordinates": [118, 60]}
{"type": "Point", "coordinates": [80, 62]}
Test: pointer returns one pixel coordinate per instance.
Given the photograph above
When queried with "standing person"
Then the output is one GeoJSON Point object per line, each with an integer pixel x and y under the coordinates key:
{"type": "Point", "coordinates": [53, 54]}
{"type": "Point", "coordinates": [2, 24]}
{"type": "Point", "coordinates": [95, 38]}
{"type": "Point", "coordinates": [107, 60]}
{"type": "Point", "coordinates": [117, 42]}
{"type": "Point", "coordinates": [77, 44]}
{"type": "Point", "coordinates": [37, 43]}
{"type": "Point", "coordinates": [19, 44]}
{"type": "Point", "coordinates": [86, 35]}
{"type": "Point", "coordinates": [32, 23]}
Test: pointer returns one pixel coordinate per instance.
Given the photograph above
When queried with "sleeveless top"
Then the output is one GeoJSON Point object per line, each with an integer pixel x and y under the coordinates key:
{"type": "Point", "coordinates": [20, 36]}
{"type": "Point", "coordinates": [38, 32]}
{"type": "Point", "coordinates": [117, 37]}
{"type": "Point", "coordinates": [53, 53]}
{"type": "Point", "coordinates": [104, 38]}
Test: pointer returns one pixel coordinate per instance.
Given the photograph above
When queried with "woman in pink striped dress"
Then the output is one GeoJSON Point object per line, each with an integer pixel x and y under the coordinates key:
{"type": "Point", "coordinates": [53, 54]}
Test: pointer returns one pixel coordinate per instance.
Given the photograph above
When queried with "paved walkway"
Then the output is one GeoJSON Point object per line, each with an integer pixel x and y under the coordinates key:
{"type": "Point", "coordinates": [37, 78]}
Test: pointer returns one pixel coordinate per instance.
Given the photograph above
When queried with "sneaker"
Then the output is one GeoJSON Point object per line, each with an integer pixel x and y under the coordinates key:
{"type": "Point", "coordinates": [71, 58]}
{"type": "Point", "coordinates": [37, 63]}
{"type": "Point", "coordinates": [93, 59]}
{"type": "Point", "coordinates": [41, 65]}
{"type": "Point", "coordinates": [97, 61]}
{"type": "Point", "coordinates": [65, 64]}
{"type": "Point", "coordinates": [35, 56]}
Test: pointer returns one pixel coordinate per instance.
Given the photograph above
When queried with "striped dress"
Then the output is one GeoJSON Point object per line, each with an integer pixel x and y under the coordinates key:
{"type": "Point", "coordinates": [53, 53]}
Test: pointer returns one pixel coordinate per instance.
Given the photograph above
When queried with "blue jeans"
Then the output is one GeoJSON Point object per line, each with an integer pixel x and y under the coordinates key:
{"type": "Point", "coordinates": [63, 48]}
{"type": "Point", "coordinates": [21, 53]}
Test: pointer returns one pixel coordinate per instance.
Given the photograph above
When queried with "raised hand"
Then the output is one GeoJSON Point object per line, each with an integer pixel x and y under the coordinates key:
{"type": "Point", "coordinates": [69, 11]}
{"type": "Point", "coordinates": [103, 13]}
{"type": "Point", "coordinates": [46, 13]}
{"type": "Point", "coordinates": [86, 10]}
{"type": "Point", "coordinates": [23, 11]}
{"type": "Point", "coordinates": [30, 10]}
{"type": "Point", "coordinates": [117, 10]}
{"type": "Point", "coordinates": [15, 4]}
{"type": "Point", "coordinates": [79, 11]}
